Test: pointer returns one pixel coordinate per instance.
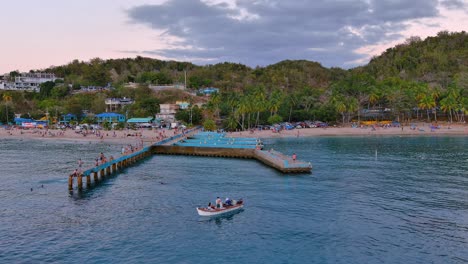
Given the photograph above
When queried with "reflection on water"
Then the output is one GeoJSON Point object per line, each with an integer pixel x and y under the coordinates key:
{"type": "Point", "coordinates": [219, 219]}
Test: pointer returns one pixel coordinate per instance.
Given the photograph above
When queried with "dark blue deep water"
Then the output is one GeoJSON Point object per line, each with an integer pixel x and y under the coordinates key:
{"type": "Point", "coordinates": [368, 200]}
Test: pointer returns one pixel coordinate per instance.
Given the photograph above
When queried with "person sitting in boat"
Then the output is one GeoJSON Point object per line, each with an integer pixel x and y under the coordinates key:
{"type": "Point", "coordinates": [228, 202]}
{"type": "Point", "coordinates": [219, 204]}
{"type": "Point", "coordinates": [210, 206]}
{"type": "Point", "coordinates": [239, 202]}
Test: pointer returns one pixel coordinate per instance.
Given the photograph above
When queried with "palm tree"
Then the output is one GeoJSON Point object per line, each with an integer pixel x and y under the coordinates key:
{"type": "Point", "coordinates": [250, 103]}
{"type": "Point", "coordinates": [338, 102]}
{"type": "Point", "coordinates": [435, 94]}
{"type": "Point", "coordinates": [231, 122]}
{"type": "Point", "coordinates": [353, 106]}
{"type": "Point", "coordinates": [464, 103]}
{"type": "Point", "coordinates": [232, 102]}
{"type": "Point", "coordinates": [420, 92]}
{"type": "Point", "coordinates": [292, 100]}
{"type": "Point", "coordinates": [275, 101]}
{"type": "Point", "coordinates": [259, 102]}
{"type": "Point", "coordinates": [242, 109]}
{"type": "Point", "coordinates": [216, 100]}
{"type": "Point", "coordinates": [448, 104]}
{"type": "Point", "coordinates": [7, 99]}
{"type": "Point", "coordinates": [374, 97]}
{"type": "Point", "coordinates": [427, 102]}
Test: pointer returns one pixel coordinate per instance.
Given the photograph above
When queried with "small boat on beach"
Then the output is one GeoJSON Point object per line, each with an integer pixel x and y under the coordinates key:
{"type": "Point", "coordinates": [209, 211]}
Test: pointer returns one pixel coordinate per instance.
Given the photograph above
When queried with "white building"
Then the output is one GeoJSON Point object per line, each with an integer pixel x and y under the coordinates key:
{"type": "Point", "coordinates": [167, 112]}
{"type": "Point", "coordinates": [115, 104]}
{"type": "Point", "coordinates": [29, 81]}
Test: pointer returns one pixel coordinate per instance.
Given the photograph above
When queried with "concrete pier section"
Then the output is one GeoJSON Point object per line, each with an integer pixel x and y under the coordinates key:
{"type": "Point", "coordinates": [193, 143]}
{"type": "Point", "coordinates": [213, 144]}
{"type": "Point", "coordinates": [270, 158]}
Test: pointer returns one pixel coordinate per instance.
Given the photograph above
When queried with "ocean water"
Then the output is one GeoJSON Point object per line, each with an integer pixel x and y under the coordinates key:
{"type": "Point", "coordinates": [368, 200]}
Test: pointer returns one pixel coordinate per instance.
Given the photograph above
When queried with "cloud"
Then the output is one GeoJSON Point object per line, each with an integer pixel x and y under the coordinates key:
{"type": "Point", "coordinates": [261, 32]}
{"type": "Point", "coordinates": [453, 4]}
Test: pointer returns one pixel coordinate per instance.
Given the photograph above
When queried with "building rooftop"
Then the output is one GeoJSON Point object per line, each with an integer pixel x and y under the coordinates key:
{"type": "Point", "coordinates": [140, 120]}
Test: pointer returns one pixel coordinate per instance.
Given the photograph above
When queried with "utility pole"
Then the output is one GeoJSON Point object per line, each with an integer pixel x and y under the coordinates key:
{"type": "Point", "coordinates": [6, 110]}
{"type": "Point", "coordinates": [191, 115]}
{"type": "Point", "coordinates": [185, 78]}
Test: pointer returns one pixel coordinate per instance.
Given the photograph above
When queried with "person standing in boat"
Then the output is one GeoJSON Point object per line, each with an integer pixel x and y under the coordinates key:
{"type": "Point", "coordinates": [219, 203]}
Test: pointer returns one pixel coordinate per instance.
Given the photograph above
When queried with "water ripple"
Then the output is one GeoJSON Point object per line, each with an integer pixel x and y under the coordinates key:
{"type": "Point", "coordinates": [369, 200]}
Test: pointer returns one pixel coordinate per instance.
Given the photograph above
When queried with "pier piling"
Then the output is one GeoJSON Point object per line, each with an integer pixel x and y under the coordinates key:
{"type": "Point", "coordinates": [70, 182]}
{"type": "Point", "coordinates": [214, 146]}
{"type": "Point", "coordinates": [80, 181]}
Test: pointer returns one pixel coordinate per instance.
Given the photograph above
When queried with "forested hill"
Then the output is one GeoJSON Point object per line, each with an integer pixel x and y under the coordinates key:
{"type": "Point", "coordinates": [287, 75]}
{"type": "Point", "coordinates": [435, 60]}
{"type": "Point", "coordinates": [430, 75]}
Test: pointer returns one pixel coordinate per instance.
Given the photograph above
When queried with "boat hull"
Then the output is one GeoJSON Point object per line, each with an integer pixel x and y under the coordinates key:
{"type": "Point", "coordinates": [214, 212]}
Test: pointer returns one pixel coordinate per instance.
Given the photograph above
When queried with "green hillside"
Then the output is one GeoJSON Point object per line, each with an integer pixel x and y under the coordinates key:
{"type": "Point", "coordinates": [417, 80]}
{"type": "Point", "coordinates": [435, 60]}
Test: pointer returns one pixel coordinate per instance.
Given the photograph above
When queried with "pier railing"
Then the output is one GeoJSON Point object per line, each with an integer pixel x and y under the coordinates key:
{"type": "Point", "coordinates": [104, 170]}
{"type": "Point", "coordinates": [271, 158]}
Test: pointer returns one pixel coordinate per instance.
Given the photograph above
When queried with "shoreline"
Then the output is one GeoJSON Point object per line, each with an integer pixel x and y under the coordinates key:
{"type": "Point", "coordinates": [421, 130]}
{"type": "Point", "coordinates": [123, 137]}
{"type": "Point", "coordinates": [148, 137]}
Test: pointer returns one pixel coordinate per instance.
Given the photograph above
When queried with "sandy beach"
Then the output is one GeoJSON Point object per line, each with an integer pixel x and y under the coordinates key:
{"type": "Point", "coordinates": [124, 137]}
{"type": "Point", "coordinates": [148, 137]}
{"type": "Point", "coordinates": [422, 129]}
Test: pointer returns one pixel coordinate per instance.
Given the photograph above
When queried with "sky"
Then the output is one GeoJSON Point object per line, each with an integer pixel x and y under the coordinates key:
{"type": "Point", "coordinates": [336, 33]}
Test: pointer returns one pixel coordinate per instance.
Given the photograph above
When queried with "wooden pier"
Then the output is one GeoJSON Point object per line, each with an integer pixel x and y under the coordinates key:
{"type": "Point", "coordinates": [99, 173]}
{"type": "Point", "coordinates": [270, 158]}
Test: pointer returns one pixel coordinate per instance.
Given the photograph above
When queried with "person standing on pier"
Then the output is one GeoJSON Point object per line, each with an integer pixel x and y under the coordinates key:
{"type": "Point", "coordinates": [294, 156]}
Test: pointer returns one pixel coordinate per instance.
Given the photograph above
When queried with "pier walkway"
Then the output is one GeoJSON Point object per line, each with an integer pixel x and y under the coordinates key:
{"type": "Point", "coordinates": [104, 170]}
{"type": "Point", "coordinates": [195, 143]}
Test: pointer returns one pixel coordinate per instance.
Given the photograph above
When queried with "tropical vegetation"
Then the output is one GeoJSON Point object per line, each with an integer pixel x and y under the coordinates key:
{"type": "Point", "coordinates": [424, 80]}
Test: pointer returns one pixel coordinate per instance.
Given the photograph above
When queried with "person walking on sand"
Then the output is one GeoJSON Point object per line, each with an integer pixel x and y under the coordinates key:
{"type": "Point", "coordinates": [294, 156]}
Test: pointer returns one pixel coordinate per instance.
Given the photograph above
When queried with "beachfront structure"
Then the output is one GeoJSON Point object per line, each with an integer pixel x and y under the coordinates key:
{"type": "Point", "coordinates": [165, 87]}
{"type": "Point", "coordinates": [68, 118]}
{"type": "Point", "coordinates": [92, 88]}
{"type": "Point", "coordinates": [141, 121]}
{"type": "Point", "coordinates": [30, 123]}
{"type": "Point", "coordinates": [208, 91]}
{"type": "Point", "coordinates": [183, 104]}
{"type": "Point", "coordinates": [29, 81]}
{"type": "Point", "coordinates": [167, 112]}
{"type": "Point", "coordinates": [116, 104]}
{"type": "Point", "coordinates": [110, 117]}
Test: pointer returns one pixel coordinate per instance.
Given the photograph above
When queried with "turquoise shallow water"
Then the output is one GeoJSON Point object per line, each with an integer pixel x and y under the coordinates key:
{"type": "Point", "coordinates": [369, 200]}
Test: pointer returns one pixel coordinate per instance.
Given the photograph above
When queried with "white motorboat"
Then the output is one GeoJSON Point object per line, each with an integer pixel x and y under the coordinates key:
{"type": "Point", "coordinates": [218, 211]}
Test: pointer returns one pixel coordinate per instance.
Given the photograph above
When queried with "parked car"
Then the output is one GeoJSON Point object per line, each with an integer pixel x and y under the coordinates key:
{"type": "Point", "coordinates": [321, 124]}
